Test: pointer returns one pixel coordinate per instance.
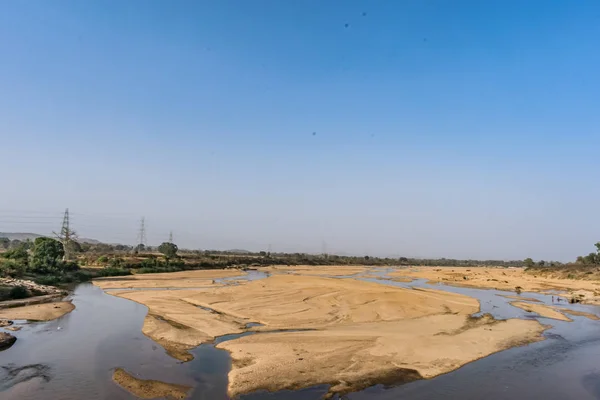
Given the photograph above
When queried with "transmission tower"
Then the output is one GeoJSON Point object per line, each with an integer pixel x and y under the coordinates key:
{"type": "Point", "coordinates": [324, 249]}
{"type": "Point", "coordinates": [66, 235]}
{"type": "Point", "coordinates": [171, 237]}
{"type": "Point", "coordinates": [142, 233]}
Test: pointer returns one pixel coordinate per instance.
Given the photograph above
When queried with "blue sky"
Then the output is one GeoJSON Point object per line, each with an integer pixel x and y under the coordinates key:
{"type": "Point", "coordinates": [463, 129]}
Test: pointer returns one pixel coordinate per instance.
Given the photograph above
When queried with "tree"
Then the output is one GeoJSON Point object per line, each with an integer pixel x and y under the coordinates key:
{"type": "Point", "coordinates": [528, 262]}
{"type": "Point", "coordinates": [18, 255]}
{"type": "Point", "coordinates": [541, 263]}
{"type": "Point", "coordinates": [168, 249]}
{"type": "Point", "coordinates": [598, 248]}
{"type": "Point", "coordinates": [73, 246]}
{"type": "Point", "coordinates": [4, 242]}
{"type": "Point", "coordinates": [591, 258]}
{"type": "Point", "coordinates": [47, 255]}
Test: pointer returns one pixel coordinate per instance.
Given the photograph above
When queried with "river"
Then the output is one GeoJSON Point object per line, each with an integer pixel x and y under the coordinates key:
{"type": "Point", "coordinates": [74, 357]}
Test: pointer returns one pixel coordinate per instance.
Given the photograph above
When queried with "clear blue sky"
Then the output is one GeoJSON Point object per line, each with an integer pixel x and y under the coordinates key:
{"type": "Point", "coordinates": [417, 128]}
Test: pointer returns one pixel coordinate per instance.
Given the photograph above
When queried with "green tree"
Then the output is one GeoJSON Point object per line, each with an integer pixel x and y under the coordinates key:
{"type": "Point", "coordinates": [598, 248]}
{"type": "Point", "coordinates": [591, 258]}
{"type": "Point", "coordinates": [18, 255]}
{"type": "Point", "coordinates": [168, 249]}
{"type": "Point", "coordinates": [528, 262]}
{"type": "Point", "coordinates": [47, 255]}
{"type": "Point", "coordinates": [541, 263]}
{"type": "Point", "coordinates": [73, 246]}
{"type": "Point", "coordinates": [4, 242]}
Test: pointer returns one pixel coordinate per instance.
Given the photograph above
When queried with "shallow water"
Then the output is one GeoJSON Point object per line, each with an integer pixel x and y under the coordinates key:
{"type": "Point", "coordinates": [74, 357]}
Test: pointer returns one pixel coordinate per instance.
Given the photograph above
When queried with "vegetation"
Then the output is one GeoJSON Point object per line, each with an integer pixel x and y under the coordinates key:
{"type": "Point", "coordinates": [47, 255]}
{"type": "Point", "coordinates": [585, 267]}
{"type": "Point", "coordinates": [168, 249]}
{"type": "Point", "coordinates": [43, 261]}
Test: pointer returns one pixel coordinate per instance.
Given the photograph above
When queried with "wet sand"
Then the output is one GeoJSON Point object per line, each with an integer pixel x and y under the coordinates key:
{"type": "Point", "coordinates": [508, 279]}
{"type": "Point", "coordinates": [542, 310]}
{"type": "Point", "coordinates": [361, 333]}
{"type": "Point", "coordinates": [38, 312]}
{"type": "Point", "coordinates": [149, 389]}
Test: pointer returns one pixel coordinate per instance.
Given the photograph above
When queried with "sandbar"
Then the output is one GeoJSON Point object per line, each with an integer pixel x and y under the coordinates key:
{"type": "Point", "coordinates": [149, 389]}
{"type": "Point", "coordinates": [542, 310]}
{"type": "Point", "coordinates": [508, 279]}
{"type": "Point", "coordinates": [349, 334]}
{"type": "Point", "coordinates": [182, 279]}
{"type": "Point", "coordinates": [38, 312]}
{"type": "Point", "coordinates": [579, 313]}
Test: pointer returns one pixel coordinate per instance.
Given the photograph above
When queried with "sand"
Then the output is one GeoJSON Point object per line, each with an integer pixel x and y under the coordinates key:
{"type": "Point", "coordinates": [355, 356]}
{"type": "Point", "coordinates": [355, 334]}
{"type": "Point", "coordinates": [177, 324]}
{"type": "Point", "coordinates": [521, 298]}
{"type": "Point", "coordinates": [571, 312]}
{"type": "Point", "coordinates": [503, 279]}
{"type": "Point", "coordinates": [183, 279]}
{"type": "Point", "coordinates": [149, 389]}
{"type": "Point", "coordinates": [542, 310]}
{"type": "Point", "coordinates": [38, 312]}
{"type": "Point", "coordinates": [317, 270]}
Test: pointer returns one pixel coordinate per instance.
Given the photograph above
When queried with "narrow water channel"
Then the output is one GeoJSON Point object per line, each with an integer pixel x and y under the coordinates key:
{"type": "Point", "coordinates": [74, 357]}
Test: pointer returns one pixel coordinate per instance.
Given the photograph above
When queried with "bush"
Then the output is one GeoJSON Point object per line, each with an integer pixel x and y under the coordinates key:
{"type": "Point", "coordinates": [19, 292]}
{"type": "Point", "coordinates": [48, 280]}
{"type": "Point", "coordinates": [115, 263]}
{"type": "Point", "coordinates": [70, 266]}
{"type": "Point", "coordinates": [102, 259]}
{"type": "Point", "coordinates": [110, 271]}
{"type": "Point", "coordinates": [157, 270]}
{"type": "Point", "coordinates": [83, 276]}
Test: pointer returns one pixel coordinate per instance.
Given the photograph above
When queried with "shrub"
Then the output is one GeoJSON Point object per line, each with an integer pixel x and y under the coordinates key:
{"type": "Point", "coordinates": [102, 259]}
{"type": "Point", "coordinates": [48, 280]}
{"type": "Point", "coordinates": [115, 263]}
{"type": "Point", "coordinates": [83, 276]}
{"type": "Point", "coordinates": [19, 292]}
{"type": "Point", "coordinates": [70, 266]}
{"type": "Point", "coordinates": [111, 271]}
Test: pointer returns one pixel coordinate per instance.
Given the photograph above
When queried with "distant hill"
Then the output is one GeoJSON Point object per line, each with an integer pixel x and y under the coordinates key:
{"type": "Point", "coordinates": [19, 235]}
{"type": "Point", "coordinates": [32, 236]}
{"type": "Point", "coordinates": [238, 251]}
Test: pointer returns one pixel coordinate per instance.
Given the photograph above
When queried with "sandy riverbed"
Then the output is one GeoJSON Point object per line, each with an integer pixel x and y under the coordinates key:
{"type": "Point", "coordinates": [149, 389]}
{"type": "Point", "coordinates": [181, 279]}
{"type": "Point", "coordinates": [503, 279]}
{"type": "Point", "coordinates": [38, 312]}
{"type": "Point", "coordinates": [317, 270]}
{"type": "Point", "coordinates": [361, 333]}
{"type": "Point", "coordinates": [542, 310]}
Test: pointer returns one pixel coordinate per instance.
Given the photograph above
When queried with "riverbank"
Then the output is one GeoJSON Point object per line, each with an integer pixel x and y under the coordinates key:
{"type": "Point", "coordinates": [508, 279]}
{"type": "Point", "coordinates": [345, 333]}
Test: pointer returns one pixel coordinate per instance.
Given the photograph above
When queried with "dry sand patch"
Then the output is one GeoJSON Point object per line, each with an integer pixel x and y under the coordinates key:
{"type": "Point", "coordinates": [38, 312]}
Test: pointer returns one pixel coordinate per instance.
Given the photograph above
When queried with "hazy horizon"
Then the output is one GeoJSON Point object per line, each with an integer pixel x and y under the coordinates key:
{"type": "Point", "coordinates": [422, 129]}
